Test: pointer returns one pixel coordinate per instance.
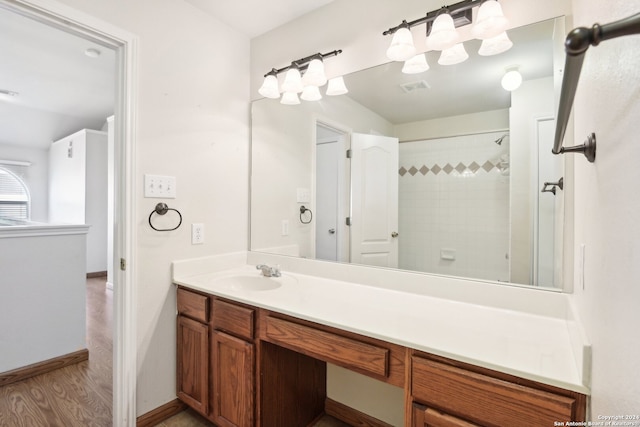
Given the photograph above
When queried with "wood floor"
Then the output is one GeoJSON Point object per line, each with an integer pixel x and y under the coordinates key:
{"type": "Point", "coordinates": [77, 395]}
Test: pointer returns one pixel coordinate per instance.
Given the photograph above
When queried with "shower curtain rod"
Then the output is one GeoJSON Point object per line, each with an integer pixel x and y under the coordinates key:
{"type": "Point", "coordinates": [576, 45]}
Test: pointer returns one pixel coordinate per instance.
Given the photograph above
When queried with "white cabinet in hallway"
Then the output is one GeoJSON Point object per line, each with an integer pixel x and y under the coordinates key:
{"type": "Point", "coordinates": [78, 189]}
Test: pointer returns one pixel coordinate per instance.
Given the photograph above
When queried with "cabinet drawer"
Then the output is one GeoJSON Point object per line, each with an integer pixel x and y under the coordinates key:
{"type": "Point", "coordinates": [427, 417]}
{"type": "Point", "coordinates": [193, 305]}
{"type": "Point", "coordinates": [329, 347]}
{"type": "Point", "coordinates": [483, 399]}
{"type": "Point", "coordinates": [233, 318]}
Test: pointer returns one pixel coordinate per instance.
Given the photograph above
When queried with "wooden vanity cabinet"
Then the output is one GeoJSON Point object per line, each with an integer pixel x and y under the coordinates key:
{"type": "Point", "coordinates": [447, 393]}
{"type": "Point", "coordinates": [232, 364]}
{"type": "Point", "coordinates": [193, 350]}
{"type": "Point", "coordinates": [242, 366]}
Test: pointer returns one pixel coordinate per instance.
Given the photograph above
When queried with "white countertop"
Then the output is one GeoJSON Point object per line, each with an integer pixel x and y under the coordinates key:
{"type": "Point", "coordinates": [531, 346]}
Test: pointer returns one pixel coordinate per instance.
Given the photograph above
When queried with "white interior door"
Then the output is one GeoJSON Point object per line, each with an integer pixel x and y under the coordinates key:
{"type": "Point", "coordinates": [327, 200]}
{"type": "Point", "coordinates": [374, 203]}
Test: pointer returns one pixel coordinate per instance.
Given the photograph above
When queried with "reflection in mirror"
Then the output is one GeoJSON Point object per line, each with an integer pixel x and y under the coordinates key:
{"type": "Point", "coordinates": [438, 172]}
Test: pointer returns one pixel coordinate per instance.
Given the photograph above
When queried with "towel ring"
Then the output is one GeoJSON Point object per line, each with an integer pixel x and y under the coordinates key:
{"type": "Point", "coordinates": [304, 210]}
{"type": "Point", "coordinates": [161, 209]}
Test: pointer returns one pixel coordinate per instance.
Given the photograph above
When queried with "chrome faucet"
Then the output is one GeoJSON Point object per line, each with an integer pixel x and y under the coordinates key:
{"type": "Point", "coordinates": [268, 271]}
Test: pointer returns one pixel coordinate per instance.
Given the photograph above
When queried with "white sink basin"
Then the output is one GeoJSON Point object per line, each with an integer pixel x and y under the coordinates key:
{"type": "Point", "coordinates": [243, 282]}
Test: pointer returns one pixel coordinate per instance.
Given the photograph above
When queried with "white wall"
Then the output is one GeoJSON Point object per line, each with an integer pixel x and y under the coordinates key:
{"type": "Point", "coordinates": [42, 311]}
{"type": "Point", "coordinates": [607, 203]}
{"type": "Point", "coordinates": [35, 176]}
{"type": "Point", "coordinates": [192, 122]}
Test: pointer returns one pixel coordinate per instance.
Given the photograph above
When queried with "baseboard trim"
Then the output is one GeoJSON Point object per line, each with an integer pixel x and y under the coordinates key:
{"type": "Point", "coordinates": [161, 413]}
{"type": "Point", "coordinates": [351, 416]}
{"type": "Point", "coordinates": [96, 274]}
{"type": "Point", "coordinates": [43, 367]}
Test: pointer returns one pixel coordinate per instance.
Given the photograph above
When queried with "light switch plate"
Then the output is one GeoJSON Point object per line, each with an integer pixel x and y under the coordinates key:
{"type": "Point", "coordinates": [160, 186]}
{"type": "Point", "coordinates": [303, 195]}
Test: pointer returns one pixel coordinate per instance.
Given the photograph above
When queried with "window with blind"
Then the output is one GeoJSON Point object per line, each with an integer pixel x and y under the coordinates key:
{"type": "Point", "coordinates": [14, 196]}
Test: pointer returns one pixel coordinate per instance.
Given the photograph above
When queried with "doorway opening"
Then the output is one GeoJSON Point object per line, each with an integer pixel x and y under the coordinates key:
{"type": "Point", "coordinates": [70, 21]}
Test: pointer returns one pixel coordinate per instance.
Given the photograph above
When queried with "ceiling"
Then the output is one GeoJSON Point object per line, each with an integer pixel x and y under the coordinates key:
{"type": "Point", "coordinates": [255, 17]}
{"type": "Point", "coordinates": [60, 89]}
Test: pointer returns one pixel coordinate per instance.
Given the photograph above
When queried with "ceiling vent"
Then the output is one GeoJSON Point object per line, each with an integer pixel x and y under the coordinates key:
{"type": "Point", "coordinates": [413, 86]}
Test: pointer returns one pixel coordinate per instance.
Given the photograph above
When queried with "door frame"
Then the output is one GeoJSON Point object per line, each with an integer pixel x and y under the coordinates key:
{"type": "Point", "coordinates": [73, 21]}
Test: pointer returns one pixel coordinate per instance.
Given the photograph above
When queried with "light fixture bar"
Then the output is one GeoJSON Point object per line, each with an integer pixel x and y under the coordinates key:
{"type": "Point", "coordinates": [458, 11]}
{"type": "Point", "coordinates": [303, 63]}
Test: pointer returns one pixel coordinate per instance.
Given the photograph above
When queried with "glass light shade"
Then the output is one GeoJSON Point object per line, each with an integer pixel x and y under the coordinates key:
{"type": "Point", "coordinates": [269, 88]}
{"type": "Point", "coordinates": [290, 98]}
{"type": "Point", "coordinates": [292, 81]}
{"type": "Point", "coordinates": [336, 86]}
{"type": "Point", "coordinates": [443, 33]}
{"type": "Point", "coordinates": [495, 45]}
{"type": "Point", "coordinates": [511, 80]}
{"type": "Point", "coordinates": [490, 20]}
{"type": "Point", "coordinates": [453, 55]}
{"type": "Point", "coordinates": [315, 74]}
{"type": "Point", "coordinates": [401, 47]}
{"type": "Point", "coordinates": [415, 65]}
{"type": "Point", "coordinates": [311, 93]}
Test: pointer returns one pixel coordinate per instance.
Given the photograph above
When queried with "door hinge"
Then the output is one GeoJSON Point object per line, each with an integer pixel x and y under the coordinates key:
{"type": "Point", "coordinates": [348, 221]}
{"type": "Point", "coordinates": [348, 153]}
{"type": "Point", "coordinates": [123, 264]}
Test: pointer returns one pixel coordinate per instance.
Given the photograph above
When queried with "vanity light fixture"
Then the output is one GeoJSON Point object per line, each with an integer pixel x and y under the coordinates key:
{"type": "Point", "coordinates": [415, 65]}
{"type": "Point", "coordinates": [443, 33]}
{"type": "Point", "coordinates": [441, 28]}
{"type": "Point", "coordinates": [453, 55]}
{"type": "Point", "coordinates": [336, 86]}
{"type": "Point", "coordinates": [401, 48]}
{"type": "Point", "coordinates": [512, 79]}
{"type": "Point", "coordinates": [269, 88]}
{"type": "Point", "coordinates": [302, 76]}
{"type": "Point", "coordinates": [311, 93]}
{"type": "Point", "coordinates": [293, 80]}
{"type": "Point", "coordinates": [495, 45]}
{"type": "Point", "coordinates": [290, 98]}
{"type": "Point", "coordinates": [490, 20]}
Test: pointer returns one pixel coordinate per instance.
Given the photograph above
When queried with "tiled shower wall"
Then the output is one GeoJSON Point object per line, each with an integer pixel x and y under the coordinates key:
{"type": "Point", "coordinates": [454, 206]}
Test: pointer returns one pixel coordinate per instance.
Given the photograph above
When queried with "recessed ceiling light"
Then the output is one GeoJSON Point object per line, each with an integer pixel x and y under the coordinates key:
{"type": "Point", "coordinates": [92, 52]}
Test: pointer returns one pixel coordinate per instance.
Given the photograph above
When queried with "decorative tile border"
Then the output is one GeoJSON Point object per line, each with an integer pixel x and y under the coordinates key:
{"type": "Point", "coordinates": [460, 168]}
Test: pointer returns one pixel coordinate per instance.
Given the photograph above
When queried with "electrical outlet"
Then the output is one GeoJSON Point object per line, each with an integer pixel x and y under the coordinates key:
{"type": "Point", "coordinates": [197, 234]}
{"type": "Point", "coordinates": [159, 186]}
{"type": "Point", "coordinates": [285, 227]}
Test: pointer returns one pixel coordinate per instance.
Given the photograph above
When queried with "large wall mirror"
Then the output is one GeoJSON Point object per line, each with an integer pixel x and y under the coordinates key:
{"type": "Point", "coordinates": [444, 174]}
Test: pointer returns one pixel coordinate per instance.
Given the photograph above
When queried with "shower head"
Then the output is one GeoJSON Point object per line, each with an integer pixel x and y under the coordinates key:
{"type": "Point", "coordinates": [499, 140]}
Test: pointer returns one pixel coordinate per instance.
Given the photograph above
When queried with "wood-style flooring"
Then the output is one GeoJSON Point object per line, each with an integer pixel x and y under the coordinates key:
{"type": "Point", "coordinates": [77, 395]}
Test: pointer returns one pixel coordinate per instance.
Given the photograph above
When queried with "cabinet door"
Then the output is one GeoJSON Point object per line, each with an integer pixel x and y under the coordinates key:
{"type": "Point", "coordinates": [233, 380]}
{"type": "Point", "coordinates": [427, 417]}
{"type": "Point", "coordinates": [193, 364]}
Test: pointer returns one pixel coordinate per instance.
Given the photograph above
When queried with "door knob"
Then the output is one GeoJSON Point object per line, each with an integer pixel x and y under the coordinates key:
{"type": "Point", "coordinates": [332, 231]}
{"type": "Point", "coordinates": [394, 234]}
